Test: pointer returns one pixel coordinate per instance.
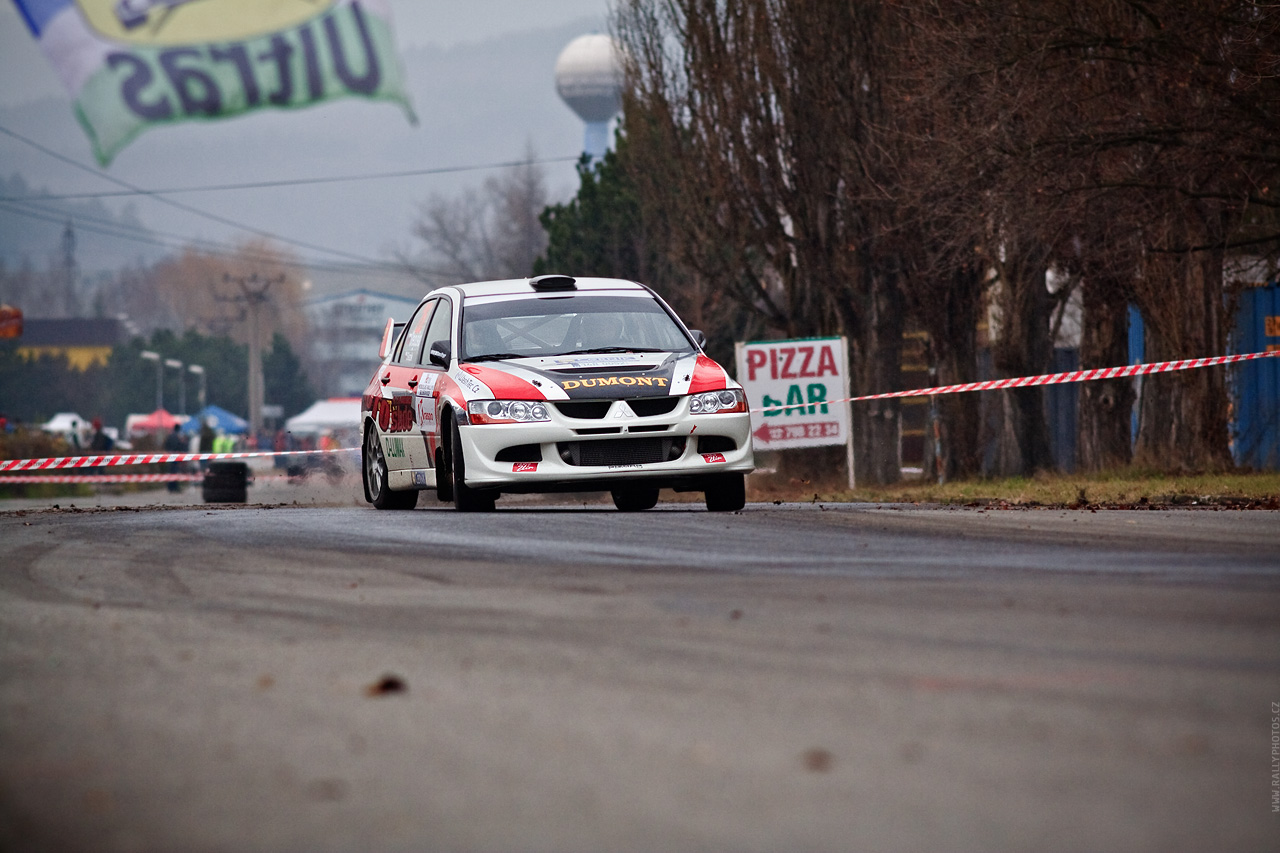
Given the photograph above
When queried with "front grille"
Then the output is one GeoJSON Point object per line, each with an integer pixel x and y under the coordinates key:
{"type": "Point", "coordinates": [647, 407]}
{"type": "Point", "coordinates": [621, 451]}
{"type": "Point", "coordinates": [592, 410]}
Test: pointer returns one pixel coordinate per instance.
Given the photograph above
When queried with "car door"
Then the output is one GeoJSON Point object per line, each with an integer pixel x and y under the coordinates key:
{"type": "Point", "coordinates": [427, 395]}
{"type": "Point", "coordinates": [402, 443]}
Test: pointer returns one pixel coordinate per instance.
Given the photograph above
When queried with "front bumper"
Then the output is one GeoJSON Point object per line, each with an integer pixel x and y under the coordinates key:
{"type": "Point", "coordinates": [676, 450]}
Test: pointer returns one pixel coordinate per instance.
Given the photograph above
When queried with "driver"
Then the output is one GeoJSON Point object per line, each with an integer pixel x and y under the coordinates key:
{"type": "Point", "coordinates": [602, 330]}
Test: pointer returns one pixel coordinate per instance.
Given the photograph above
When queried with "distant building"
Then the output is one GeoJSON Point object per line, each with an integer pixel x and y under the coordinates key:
{"type": "Point", "coordinates": [346, 329]}
{"type": "Point", "coordinates": [84, 341]}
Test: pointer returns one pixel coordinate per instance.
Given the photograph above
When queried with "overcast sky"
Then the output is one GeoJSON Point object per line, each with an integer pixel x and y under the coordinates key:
{"type": "Point", "coordinates": [477, 106]}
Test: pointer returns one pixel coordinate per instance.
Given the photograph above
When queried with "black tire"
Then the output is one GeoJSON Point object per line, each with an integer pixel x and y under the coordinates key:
{"type": "Point", "coordinates": [465, 498]}
{"type": "Point", "coordinates": [727, 493]}
{"type": "Point", "coordinates": [634, 500]}
{"type": "Point", "coordinates": [225, 483]}
{"type": "Point", "coordinates": [374, 467]}
{"type": "Point", "coordinates": [222, 494]}
{"type": "Point", "coordinates": [444, 471]}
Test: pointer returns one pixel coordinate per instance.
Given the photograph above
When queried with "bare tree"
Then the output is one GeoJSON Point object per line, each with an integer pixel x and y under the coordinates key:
{"type": "Point", "coordinates": [482, 234]}
{"type": "Point", "coordinates": [759, 129]}
{"type": "Point", "coordinates": [1133, 144]}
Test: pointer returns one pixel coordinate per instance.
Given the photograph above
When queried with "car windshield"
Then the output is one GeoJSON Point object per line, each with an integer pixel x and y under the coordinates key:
{"type": "Point", "coordinates": [563, 325]}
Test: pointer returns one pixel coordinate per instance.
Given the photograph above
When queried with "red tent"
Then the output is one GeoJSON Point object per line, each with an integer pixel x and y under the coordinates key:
{"type": "Point", "coordinates": [157, 420]}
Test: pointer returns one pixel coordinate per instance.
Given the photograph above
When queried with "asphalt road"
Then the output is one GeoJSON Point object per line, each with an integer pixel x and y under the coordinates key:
{"type": "Point", "coordinates": [791, 677]}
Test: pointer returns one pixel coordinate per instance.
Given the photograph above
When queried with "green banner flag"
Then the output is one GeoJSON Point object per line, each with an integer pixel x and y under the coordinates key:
{"type": "Point", "coordinates": [133, 64]}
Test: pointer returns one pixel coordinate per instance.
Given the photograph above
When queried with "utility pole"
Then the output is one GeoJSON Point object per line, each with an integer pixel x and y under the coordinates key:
{"type": "Point", "coordinates": [70, 299]}
{"type": "Point", "coordinates": [253, 296]}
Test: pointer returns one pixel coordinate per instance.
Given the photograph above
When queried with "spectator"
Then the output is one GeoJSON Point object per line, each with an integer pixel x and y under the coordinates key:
{"type": "Point", "coordinates": [101, 442]}
{"type": "Point", "coordinates": [207, 439]}
{"type": "Point", "coordinates": [175, 443]}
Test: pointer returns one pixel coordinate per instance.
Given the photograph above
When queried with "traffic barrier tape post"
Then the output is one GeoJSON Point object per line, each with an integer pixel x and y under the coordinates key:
{"type": "Point", "coordinates": [1043, 379]}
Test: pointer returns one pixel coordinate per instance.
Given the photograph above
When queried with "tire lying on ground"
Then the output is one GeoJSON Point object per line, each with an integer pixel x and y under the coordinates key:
{"type": "Point", "coordinates": [226, 482]}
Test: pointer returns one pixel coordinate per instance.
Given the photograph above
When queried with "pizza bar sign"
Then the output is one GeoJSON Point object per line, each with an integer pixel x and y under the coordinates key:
{"type": "Point", "coordinates": [789, 385]}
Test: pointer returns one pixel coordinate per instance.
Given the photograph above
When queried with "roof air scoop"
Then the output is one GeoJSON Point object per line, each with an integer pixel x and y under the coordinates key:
{"type": "Point", "coordinates": [552, 283]}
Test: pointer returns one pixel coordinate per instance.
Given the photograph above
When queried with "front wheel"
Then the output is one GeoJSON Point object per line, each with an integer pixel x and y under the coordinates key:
{"type": "Point", "coordinates": [727, 493]}
{"type": "Point", "coordinates": [374, 465]}
{"type": "Point", "coordinates": [465, 498]}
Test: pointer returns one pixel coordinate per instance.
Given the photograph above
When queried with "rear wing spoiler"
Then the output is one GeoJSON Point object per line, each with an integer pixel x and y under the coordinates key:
{"type": "Point", "coordinates": [389, 335]}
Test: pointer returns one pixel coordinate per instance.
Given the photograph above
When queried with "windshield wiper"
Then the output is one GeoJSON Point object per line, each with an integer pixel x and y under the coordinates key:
{"type": "Point", "coordinates": [495, 356]}
{"type": "Point", "coordinates": [593, 350]}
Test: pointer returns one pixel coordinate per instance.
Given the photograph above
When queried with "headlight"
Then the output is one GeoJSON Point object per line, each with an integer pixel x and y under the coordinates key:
{"type": "Point", "coordinates": [728, 400]}
{"type": "Point", "coordinates": [506, 412]}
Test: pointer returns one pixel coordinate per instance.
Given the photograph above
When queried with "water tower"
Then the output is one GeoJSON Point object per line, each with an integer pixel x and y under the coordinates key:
{"type": "Point", "coordinates": [589, 79]}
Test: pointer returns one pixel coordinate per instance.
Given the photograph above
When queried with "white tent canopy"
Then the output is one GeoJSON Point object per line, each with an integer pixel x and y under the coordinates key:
{"type": "Point", "coordinates": [65, 422]}
{"type": "Point", "coordinates": [332, 415]}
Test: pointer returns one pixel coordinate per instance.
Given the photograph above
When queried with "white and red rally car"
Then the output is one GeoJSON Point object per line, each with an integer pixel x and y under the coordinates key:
{"type": "Point", "coordinates": [551, 384]}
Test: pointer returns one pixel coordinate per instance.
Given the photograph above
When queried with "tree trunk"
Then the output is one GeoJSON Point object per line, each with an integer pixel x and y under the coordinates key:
{"type": "Point", "coordinates": [951, 318]}
{"type": "Point", "coordinates": [1024, 348]}
{"type": "Point", "coordinates": [1106, 407]}
{"type": "Point", "coordinates": [1183, 420]}
{"type": "Point", "coordinates": [877, 423]}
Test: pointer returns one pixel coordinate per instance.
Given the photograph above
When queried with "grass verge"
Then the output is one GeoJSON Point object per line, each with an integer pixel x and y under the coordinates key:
{"type": "Point", "coordinates": [1130, 488]}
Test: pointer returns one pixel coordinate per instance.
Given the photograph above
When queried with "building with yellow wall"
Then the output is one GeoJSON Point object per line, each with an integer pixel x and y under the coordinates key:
{"type": "Point", "coordinates": [84, 342]}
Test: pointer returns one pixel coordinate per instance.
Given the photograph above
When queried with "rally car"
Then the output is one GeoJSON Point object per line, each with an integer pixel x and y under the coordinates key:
{"type": "Point", "coordinates": [550, 384]}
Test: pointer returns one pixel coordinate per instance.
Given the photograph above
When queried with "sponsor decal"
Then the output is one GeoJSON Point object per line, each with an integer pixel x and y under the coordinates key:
{"type": "Point", "coordinates": [524, 467]}
{"type": "Point", "coordinates": [625, 467]}
{"type": "Point", "coordinates": [606, 381]}
{"type": "Point", "coordinates": [595, 361]}
{"type": "Point", "coordinates": [427, 385]}
{"type": "Point", "coordinates": [419, 478]}
{"type": "Point", "coordinates": [393, 415]}
{"type": "Point", "coordinates": [426, 414]}
{"type": "Point", "coordinates": [134, 64]}
{"type": "Point", "coordinates": [395, 448]}
{"type": "Point", "coordinates": [713, 457]}
{"type": "Point", "coordinates": [467, 382]}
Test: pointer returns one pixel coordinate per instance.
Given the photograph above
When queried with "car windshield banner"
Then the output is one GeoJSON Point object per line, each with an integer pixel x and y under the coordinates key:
{"type": "Point", "coordinates": [134, 64]}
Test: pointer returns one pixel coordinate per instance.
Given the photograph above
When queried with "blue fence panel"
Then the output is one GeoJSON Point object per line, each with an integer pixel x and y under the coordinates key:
{"type": "Point", "coordinates": [1255, 385]}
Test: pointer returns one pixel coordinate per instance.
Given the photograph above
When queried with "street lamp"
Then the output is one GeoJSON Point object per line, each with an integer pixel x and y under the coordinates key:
{"type": "Point", "coordinates": [198, 370]}
{"type": "Point", "coordinates": [182, 383]}
{"type": "Point", "coordinates": [155, 356]}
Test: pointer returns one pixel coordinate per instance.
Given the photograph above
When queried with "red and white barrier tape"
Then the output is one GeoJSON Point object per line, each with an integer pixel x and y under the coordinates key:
{"type": "Point", "coordinates": [1046, 379]}
{"type": "Point", "coordinates": [61, 462]}
{"type": "Point", "coordinates": [101, 478]}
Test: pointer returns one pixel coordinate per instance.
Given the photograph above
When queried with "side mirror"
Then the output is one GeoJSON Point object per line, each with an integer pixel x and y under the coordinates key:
{"type": "Point", "coordinates": [440, 353]}
{"type": "Point", "coordinates": [699, 338]}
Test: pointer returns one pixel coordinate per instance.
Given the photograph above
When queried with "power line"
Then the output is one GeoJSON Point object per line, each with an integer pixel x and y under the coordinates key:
{"type": "Point", "coordinates": [295, 182]}
{"type": "Point", "coordinates": [221, 220]}
{"type": "Point", "coordinates": [108, 228]}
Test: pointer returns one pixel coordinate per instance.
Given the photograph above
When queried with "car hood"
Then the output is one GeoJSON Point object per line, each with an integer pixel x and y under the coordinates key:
{"type": "Point", "coordinates": [600, 376]}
